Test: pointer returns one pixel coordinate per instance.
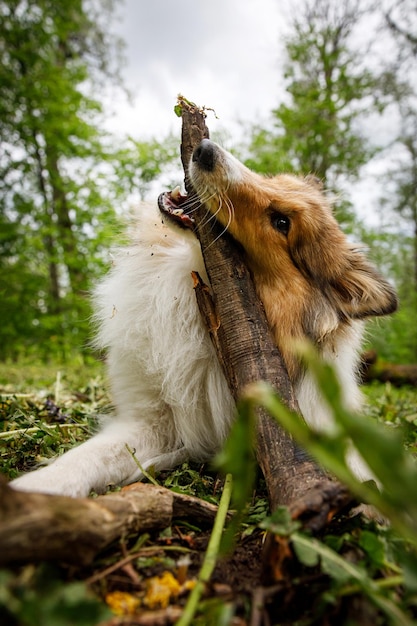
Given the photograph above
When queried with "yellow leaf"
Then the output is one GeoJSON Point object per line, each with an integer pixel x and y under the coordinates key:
{"type": "Point", "coordinates": [122, 603]}
{"type": "Point", "coordinates": [160, 590]}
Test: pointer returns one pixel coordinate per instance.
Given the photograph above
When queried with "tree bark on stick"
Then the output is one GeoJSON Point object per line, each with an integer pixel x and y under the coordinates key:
{"type": "Point", "coordinates": [247, 352]}
{"type": "Point", "coordinates": [38, 527]}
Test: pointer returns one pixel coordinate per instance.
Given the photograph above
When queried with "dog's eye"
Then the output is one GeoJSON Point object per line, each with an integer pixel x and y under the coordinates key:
{"type": "Point", "coordinates": [280, 222]}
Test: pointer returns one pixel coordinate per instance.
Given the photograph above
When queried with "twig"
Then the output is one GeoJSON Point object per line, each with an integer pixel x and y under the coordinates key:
{"type": "Point", "coordinates": [150, 551]}
{"type": "Point", "coordinates": [142, 469]}
{"type": "Point", "coordinates": [10, 434]}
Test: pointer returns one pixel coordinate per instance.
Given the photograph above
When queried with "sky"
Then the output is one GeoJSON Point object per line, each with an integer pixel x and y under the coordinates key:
{"type": "Point", "coordinates": [224, 54]}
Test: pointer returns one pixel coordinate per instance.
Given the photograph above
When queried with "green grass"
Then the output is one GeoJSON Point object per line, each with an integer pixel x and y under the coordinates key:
{"type": "Point", "coordinates": [45, 410]}
{"type": "Point", "coordinates": [358, 573]}
{"type": "Point", "coordinates": [394, 407]}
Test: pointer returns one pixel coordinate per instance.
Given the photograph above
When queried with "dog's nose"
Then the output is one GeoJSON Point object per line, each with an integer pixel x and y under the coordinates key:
{"type": "Point", "coordinates": [205, 155]}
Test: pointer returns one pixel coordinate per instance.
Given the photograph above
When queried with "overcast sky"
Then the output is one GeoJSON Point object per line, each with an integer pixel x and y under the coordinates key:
{"type": "Point", "coordinates": [223, 54]}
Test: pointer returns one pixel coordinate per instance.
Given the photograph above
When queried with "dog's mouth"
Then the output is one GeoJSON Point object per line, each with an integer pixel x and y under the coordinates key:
{"type": "Point", "coordinates": [172, 204]}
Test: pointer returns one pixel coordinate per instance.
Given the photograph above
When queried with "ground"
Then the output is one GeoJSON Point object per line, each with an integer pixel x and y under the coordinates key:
{"type": "Point", "coordinates": [364, 573]}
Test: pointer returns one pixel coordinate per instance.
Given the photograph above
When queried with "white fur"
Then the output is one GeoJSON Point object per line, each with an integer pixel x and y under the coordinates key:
{"type": "Point", "coordinates": [171, 398]}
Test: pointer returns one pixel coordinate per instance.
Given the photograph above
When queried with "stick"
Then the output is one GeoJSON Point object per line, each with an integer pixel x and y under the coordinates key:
{"type": "Point", "coordinates": [245, 345]}
{"type": "Point", "coordinates": [37, 527]}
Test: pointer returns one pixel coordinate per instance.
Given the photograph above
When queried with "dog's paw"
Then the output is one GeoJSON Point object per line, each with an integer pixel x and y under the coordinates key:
{"type": "Point", "coordinates": [52, 480]}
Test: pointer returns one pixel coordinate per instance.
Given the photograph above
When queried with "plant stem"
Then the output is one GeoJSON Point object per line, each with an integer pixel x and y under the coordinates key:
{"type": "Point", "coordinates": [10, 434]}
{"type": "Point", "coordinates": [210, 558]}
{"type": "Point", "coordinates": [142, 469]}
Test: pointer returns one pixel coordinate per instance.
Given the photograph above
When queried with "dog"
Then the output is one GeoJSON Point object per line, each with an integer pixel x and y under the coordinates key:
{"type": "Point", "coordinates": [172, 402]}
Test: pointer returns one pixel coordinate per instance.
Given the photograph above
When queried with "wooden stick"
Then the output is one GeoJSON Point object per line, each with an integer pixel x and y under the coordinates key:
{"type": "Point", "coordinates": [37, 527]}
{"type": "Point", "coordinates": [239, 329]}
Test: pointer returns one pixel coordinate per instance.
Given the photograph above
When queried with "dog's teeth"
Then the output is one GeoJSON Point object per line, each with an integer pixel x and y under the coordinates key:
{"type": "Point", "coordinates": [178, 211]}
{"type": "Point", "coordinates": [175, 193]}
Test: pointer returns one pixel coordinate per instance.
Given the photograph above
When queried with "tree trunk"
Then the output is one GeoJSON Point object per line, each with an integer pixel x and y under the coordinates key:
{"type": "Point", "coordinates": [72, 256]}
{"type": "Point", "coordinates": [50, 246]}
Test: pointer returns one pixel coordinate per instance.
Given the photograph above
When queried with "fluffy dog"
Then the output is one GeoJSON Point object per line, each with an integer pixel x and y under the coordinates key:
{"type": "Point", "coordinates": [171, 399]}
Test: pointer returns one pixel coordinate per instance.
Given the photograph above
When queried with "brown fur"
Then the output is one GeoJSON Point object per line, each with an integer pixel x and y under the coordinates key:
{"type": "Point", "coordinates": [312, 281]}
{"type": "Point", "coordinates": [171, 399]}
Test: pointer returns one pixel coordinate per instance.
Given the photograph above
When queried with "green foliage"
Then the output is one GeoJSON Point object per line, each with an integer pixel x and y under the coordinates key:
{"type": "Point", "coordinates": [328, 89]}
{"type": "Point", "coordinates": [394, 337]}
{"type": "Point", "coordinates": [50, 188]}
{"type": "Point", "coordinates": [354, 559]}
{"type": "Point", "coordinates": [388, 559]}
{"type": "Point", "coordinates": [383, 450]}
{"type": "Point", "coordinates": [36, 426]}
{"type": "Point", "coordinates": [400, 21]}
{"type": "Point", "coordinates": [189, 479]}
{"type": "Point", "coordinates": [39, 596]}
{"type": "Point", "coordinates": [395, 408]}
{"type": "Point", "coordinates": [61, 176]}
{"type": "Point", "coordinates": [138, 163]}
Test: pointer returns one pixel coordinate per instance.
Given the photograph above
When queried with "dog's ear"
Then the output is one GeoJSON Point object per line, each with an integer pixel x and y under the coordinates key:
{"type": "Point", "coordinates": [342, 273]}
{"type": "Point", "coordinates": [359, 291]}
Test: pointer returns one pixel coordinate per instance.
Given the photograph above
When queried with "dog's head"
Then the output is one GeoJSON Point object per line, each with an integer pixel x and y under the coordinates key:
{"type": "Point", "coordinates": [292, 241]}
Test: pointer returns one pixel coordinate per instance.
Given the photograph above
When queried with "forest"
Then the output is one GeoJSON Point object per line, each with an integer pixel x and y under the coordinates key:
{"type": "Point", "coordinates": [63, 177]}
{"type": "Point", "coordinates": [348, 115]}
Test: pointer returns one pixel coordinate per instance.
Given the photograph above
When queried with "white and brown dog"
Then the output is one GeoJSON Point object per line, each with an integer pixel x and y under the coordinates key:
{"type": "Point", "coordinates": [171, 399]}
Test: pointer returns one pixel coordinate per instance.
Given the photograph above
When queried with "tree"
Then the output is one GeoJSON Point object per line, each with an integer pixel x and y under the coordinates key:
{"type": "Point", "coordinates": [334, 80]}
{"type": "Point", "coordinates": [60, 175]}
{"type": "Point", "coordinates": [329, 90]}
{"type": "Point", "coordinates": [401, 22]}
{"type": "Point", "coordinates": [400, 19]}
{"type": "Point", "coordinates": [400, 192]}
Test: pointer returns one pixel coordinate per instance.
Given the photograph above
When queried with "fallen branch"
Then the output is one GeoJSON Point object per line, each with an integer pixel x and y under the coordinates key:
{"type": "Point", "coordinates": [37, 527]}
{"type": "Point", "coordinates": [239, 330]}
{"type": "Point", "coordinates": [394, 373]}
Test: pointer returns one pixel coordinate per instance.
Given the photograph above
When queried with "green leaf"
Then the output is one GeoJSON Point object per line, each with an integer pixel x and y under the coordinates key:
{"type": "Point", "coordinates": [332, 563]}
{"type": "Point", "coordinates": [237, 459]}
{"type": "Point", "coordinates": [280, 522]}
{"type": "Point", "coordinates": [237, 456]}
{"type": "Point", "coordinates": [374, 546]}
{"type": "Point", "coordinates": [307, 554]}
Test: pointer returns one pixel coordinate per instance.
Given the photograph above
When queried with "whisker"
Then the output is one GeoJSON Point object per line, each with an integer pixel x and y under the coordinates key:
{"type": "Point", "coordinates": [212, 216]}
{"type": "Point", "coordinates": [191, 206]}
{"type": "Point", "coordinates": [231, 211]}
{"type": "Point", "coordinates": [223, 200]}
{"type": "Point", "coordinates": [205, 196]}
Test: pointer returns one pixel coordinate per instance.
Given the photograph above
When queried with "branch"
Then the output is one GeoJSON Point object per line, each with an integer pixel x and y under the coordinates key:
{"type": "Point", "coordinates": [239, 330]}
{"type": "Point", "coordinates": [394, 373]}
{"type": "Point", "coordinates": [37, 527]}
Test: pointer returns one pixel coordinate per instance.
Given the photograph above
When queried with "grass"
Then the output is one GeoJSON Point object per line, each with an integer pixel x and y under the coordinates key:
{"type": "Point", "coordinates": [334, 579]}
{"type": "Point", "coordinates": [395, 408]}
{"type": "Point", "coordinates": [46, 410]}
